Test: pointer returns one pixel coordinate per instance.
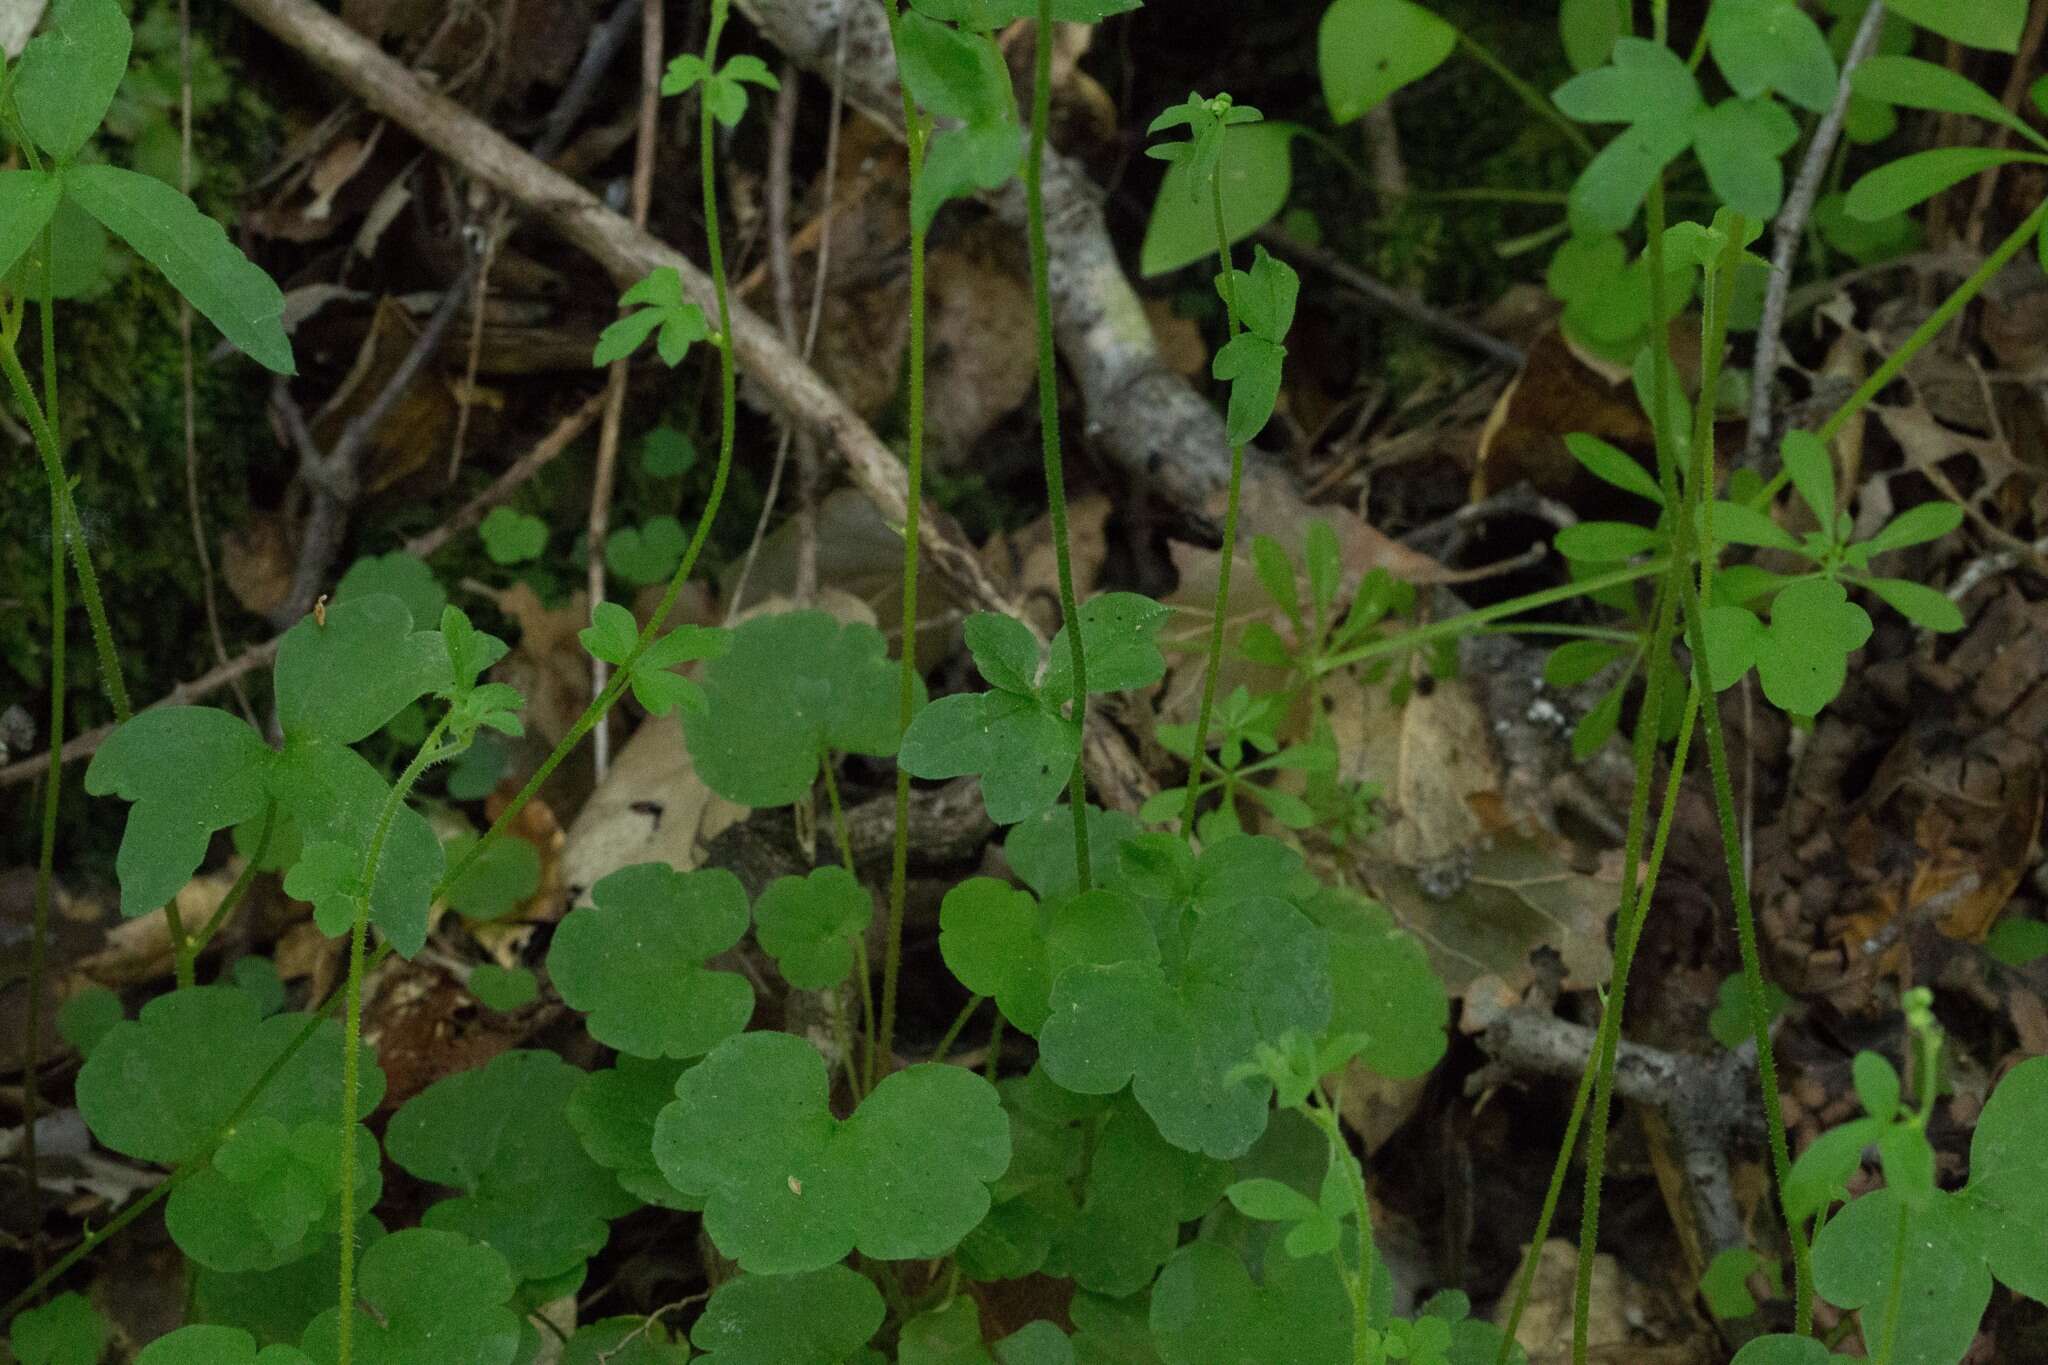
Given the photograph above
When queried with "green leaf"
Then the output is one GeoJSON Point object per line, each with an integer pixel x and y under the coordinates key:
{"type": "Point", "coordinates": [960, 162]}
{"type": "Point", "coordinates": [1266, 296]}
{"type": "Point", "coordinates": [142, 1096]}
{"type": "Point", "coordinates": [333, 797]}
{"type": "Point", "coordinates": [1725, 1286]}
{"type": "Point", "coordinates": [1917, 84]}
{"type": "Point", "coordinates": [1938, 1280]}
{"type": "Point", "coordinates": [959, 76]}
{"type": "Point", "coordinates": [612, 636]}
{"type": "Point", "coordinates": [69, 73]}
{"type": "Point", "coordinates": [1589, 28]}
{"type": "Point", "coordinates": [271, 1193]}
{"type": "Point", "coordinates": [1253, 970]}
{"type": "Point", "coordinates": [1602, 542]}
{"type": "Point", "coordinates": [190, 771]}
{"type": "Point", "coordinates": [84, 1019]}
{"type": "Point", "coordinates": [1803, 655]}
{"type": "Point", "coordinates": [1036, 1343]}
{"type": "Point", "coordinates": [791, 688]}
{"type": "Point", "coordinates": [67, 1330]}
{"type": "Point", "coordinates": [1578, 661]}
{"type": "Point", "coordinates": [1740, 143]}
{"type": "Point", "coordinates": [426, 1295]}
{"type": "Point", "coordinates": [1023, 753]}
{"type": "Point", "coordinates": [1006, 653]}
{"type": "Point", "coordinates": [681, 322]}
{"type": "Point", "coordinates": [788, 1188]}
{"type": "Point", "coordinates": [512, 537]}
{"type": "Point", "coordinates": [1993, 24]}
{"type": "Point", "coordinates": [809, 925]}
{"type": "Point", "coordinates": [950, 1335]}
{"type": "Point", "coordinates": [1646, 82]}
{"type": "Point", "coordinates": [667, 453]}
{"type": "Point", "coordinates": [1384, 986]}
{"type": "Point", "coordinates": [500, 1134]}
{"type": "Point", "coordinates": [1614, 184]}
{"type": "Point", "coordinates": [1772, 45]}
{"type": "Point", "coordinates": [1119, 634]}
{"type": "Point", "coordinates": [1041, 850]}
{"type": "Point", "coordinates": [2017, 942]}
{"type": "Point", "coordinates": [28, 199]}
{"type": "Point", "coordinates": [1915, 526]}
{"type": "Point", "coordinates": [1877, 1085]}
{"type": "Point", "coordinates": [400, 575]}
{"type": "Point", "coordinates": [1782, 1348]}
{"type": "Point", "coordinates": [1368, 49]}
{"type": "Point", "coordinates": [168, 230]}
{"type": "Point", "coordinates": [1737, 523]}
{"type": "Point", "coordinates": [1899, 185]}
{"type": "Point", "coordinates": [1928, 608]}
{"type": "Point", "coordinates": [648, 553]}
{"type": "Point", "coordinates": [343, 680]}
{"type": "Point", "coordinates": [626, 1340]}
{"type": "Point", "coordinates": [1251, 365]}
{"type": "Point", "coordinates": [1812, 469]}
{"type": "Point", "coordinates": [1138, 1192]}
{"type": "Point", "coordinates": [1729, 1022]}
{"type": "Point", "coordinates": [1256, 176]}
{"type": "Point", "coordinates": [502, 988]}
{"type": "Point", "coordinates": [212, 1346]}
{"type": "Point", "coordinates": [613, 1113]}
{"type": "Point", "coordinates": [816, 1318]}
{"type": "Point", "coordinates": [1734, 636]}
{"type": "Point", "coordinates": [1610, 465]}
{"type": "Point", "coordinates": [992, 938]}
{"type": "Point", "coordinates": [2008, 1191]}
{"type": "Point", "coordinates": [1206, 1310]}
{"type": "Point", "coordinates": [275, 1306]}
{"type": "Point", "coordinates": [633, 960]}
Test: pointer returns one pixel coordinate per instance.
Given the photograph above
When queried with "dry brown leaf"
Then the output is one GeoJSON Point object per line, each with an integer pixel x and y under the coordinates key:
{"type": "Point", "coordinates": [256, 562]}
{"type": "Point", "coordinates": [983, 361]}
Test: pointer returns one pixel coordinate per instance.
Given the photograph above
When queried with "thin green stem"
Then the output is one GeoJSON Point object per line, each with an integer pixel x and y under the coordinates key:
{"type": "Point", "coordinates": [994, 1065]}
{"type": "Point", "coordinates": [728, 393]}
{"type": "Point", "coordinates": [1462, 624]}
{"type": "Point", "coordinates": [915, 131]}
{"type": "Point", "coordinates": [1200, 749]}
{"type": "Point", "coordinates": [1526, 1281]}
{"type": "Point", "coordinates": [352, 1026]}
{"type": "Point", "coordinates": [841, 835]}
{"type": "Point", "coordinates": [1528, 94]}
{"type": "Point", "coordinates": [863, 1076]}
{"type": "Point", "coordinates": [240, 889]}
{"type": "Point", "coordinates": [1365, 1347]}
{"type": "Point", "coordinates": [1049, 419]}
{"type": "Point", "coordinates": [953, 1030]}
{"type": "Point", "coordinates": [1896, 1295]}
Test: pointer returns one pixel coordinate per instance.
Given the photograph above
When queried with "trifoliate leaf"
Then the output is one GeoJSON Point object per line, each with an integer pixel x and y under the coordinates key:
{"type": "Point", "coordinates": [948, 1335]}
{"type": "Point", "coordinates": [1207, 1311]}
{"type": "Point", "coordinates": [1803, 655]}
{"type": "Point", "coordinates": [1772, 45]}
{"type": "Point", "coordinates": [189, 770]}
{"type": "Point", "coordinates": [1368, 49]}
{"type": "Point", "coordinates": [512, 537]}
{"type": "Point", "coordinates": [216, 1346]}
{"type": "Point", "coordinates": [1739, 143]}
{"type": "Point", "coordinates": [725, 92]}
{"type": "Point", "coordinates": [992, 937]}
{"type": "Point", "coordinates": [819, 1317]}
{"type": "Point", "coordinates": [633, 960]}
{"type": "Point", "coordinates": [1941, 1286]}
{"type": "Point", "coordinates": [69, 73]}
{"type": "Point", "coordinates": [427, 1297]}
{"type": "Point", "coordinates": [1023, 752]}
{"type": "Point", "coordinates": [960, 77]}
{"type": "Point", "coordinates": [1729, 1023]}
{"type": "Point", "coordinates": [501, 878]}
{"type": "Point", "coordinates": [84, 1019]}
{"type": "Point", "coordinates": [1253, 970]}
{"type": "Point", "coordinates": [342, 680]}
{"type": "Point", "coordinates": [809, 925]}
{"type": "Point", "coordinates": [613, 1113]}
{"type": "Point", "coordinates": [1041, 849]}
{"type": "Point", "coordinates": [1119, 635]}
{"type": "Point", "coordinates": [792, 688]}
{"type": "Point", "coordinates": [648, 553]}
{"type": "Point", "coordinates": [67, 1330]}
{"type": "Point", "coordinates": [399, 575]}
{"type": "Point", "coordinates": [502, 988]}
{"type": "Point", "coordinates": [681, 322]}
{"type": "Point", "coordinates": [789, 1188]}
{"type": "Point", "coordinates": [1646, 86]}
{"type": "Point", "coordinates": [499, 1133]}
{"type": "Point", "coordinates": [2008, 1191]}
{"type": "Point", "coordinates": [626, 1340]}
{"type": "Point", "coordinates": [612, 635]}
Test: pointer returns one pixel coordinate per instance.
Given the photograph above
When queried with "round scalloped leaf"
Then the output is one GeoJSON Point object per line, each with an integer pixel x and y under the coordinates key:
{"type": "Point", "coordinates": [144, 1093]}
{"type": "Point", "coordinates": [633, 960]}
{"type": "Point", "coordinates": [2008, 1190]}
{"type": "Point", "coordinates": [613, 1113]}
{"type": "Point", "coordinates": [429, 1298]}
{"type": "Point", "coordinates": [1139, 1190]}
{"type": "Point", "coordinates": [1384, 986]}
{"type": "Point", "coordinates": [501, 1135]}
{"type": "Point", "coordinates": [816, 1318]}
{"type": "Point", "coordinates": [335, 797]}
{"type": "Point", "coordinates": [947, 1335]}
{"type": "Point", "coordinates": [344, 679]}
{"type": "Point", "coordinates": [1207, 1311]}
{"type": "Point", "coordinates": [1254, 969]}
{"type": "Point", "coordinates": [270, 1195]}
{"type": "Point", "coordinates": [789, 1188]}
{"type": "Point", "coordinates": [1041, 849]}
{"type": "Point", "coordinates": [992, 937]}
{"type": "Point", "coordinates": [216, 1346]}
{"type": "Point", "coordinates": [1942, 1286]}
{"type": "Point", "coordinates": [276, 1305]}
{"type": "Point", "coordinates": [627, 1340]}
{"type": "Point", "coordinates": [809, 924]}
{"type": "Point", "coordinates": [190, 771]}
{"type": "Point", "coordinates": [67, 1330]}
{"type": "Point", "coordinates": [792, 687]}
{"type": "Point", "coordinates": [399, 575]}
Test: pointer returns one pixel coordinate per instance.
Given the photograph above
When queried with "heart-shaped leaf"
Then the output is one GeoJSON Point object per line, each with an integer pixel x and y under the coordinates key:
{"type": "Point", "coordinates": [819, 1317]}
{"type": "Point", "coordinates": [426, 1295]}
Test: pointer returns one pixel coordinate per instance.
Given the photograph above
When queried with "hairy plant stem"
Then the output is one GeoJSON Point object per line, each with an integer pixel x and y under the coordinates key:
{"type": "Point", "coordinates": [1367, 1349]}
{"type": "Point", "coordinates": [728, 394]}
{"type": "Point", "coordinates": [352, 1026]}
{"type": "Point", "coordinates": [1049, 420]}
{"type": "Point", "coordinates": [915, 131]}
{"type": "Point", "coordinates": [860, 1077]}
{"type": "Point", "coordinates": [46, 871]}
{"type": "Point", "coordinates": [1228, 280]}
